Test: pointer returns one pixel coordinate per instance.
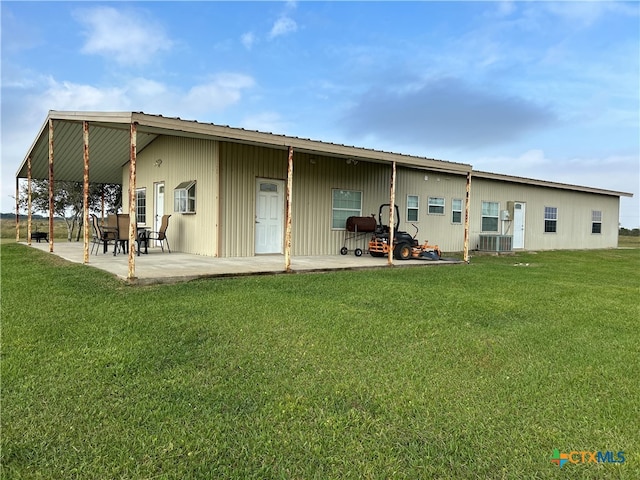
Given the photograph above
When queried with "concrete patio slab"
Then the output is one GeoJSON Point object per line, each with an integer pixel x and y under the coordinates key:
{"type": "Point", "coordinates": [159, 267]}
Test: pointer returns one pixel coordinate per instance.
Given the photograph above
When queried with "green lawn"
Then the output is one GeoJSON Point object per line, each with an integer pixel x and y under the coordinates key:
{"type": "Point", "coordinates": [468, 371]}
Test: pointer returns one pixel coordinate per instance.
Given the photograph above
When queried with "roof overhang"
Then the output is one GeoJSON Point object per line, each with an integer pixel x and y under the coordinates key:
{"type": "Point", "coordinates": [109, 145]}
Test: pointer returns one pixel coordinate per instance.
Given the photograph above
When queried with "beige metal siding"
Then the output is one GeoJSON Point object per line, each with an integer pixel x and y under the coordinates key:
{"type": "Point", "coordinates": [183, 159]}
{"type": "Point", "coordinates": [574, 215]}
{"type": "Point", "coordinates": [437, 229]}
{"type": "Point", "coordinates": [240, 166]}
{"type": "Point", "coordinates": [314, 178]}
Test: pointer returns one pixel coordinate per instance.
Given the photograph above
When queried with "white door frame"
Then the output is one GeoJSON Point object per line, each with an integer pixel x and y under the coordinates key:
{"type": "Point", "coordinates": [276, 246]}
{"type": "Point", "coordinates": [158, 206]}
{"type": "Point", "coordinates": [518, 225]}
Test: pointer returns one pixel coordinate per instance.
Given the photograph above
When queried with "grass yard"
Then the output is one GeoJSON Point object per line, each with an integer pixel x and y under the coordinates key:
{"type": "Point", "coordinates": [461, 372]}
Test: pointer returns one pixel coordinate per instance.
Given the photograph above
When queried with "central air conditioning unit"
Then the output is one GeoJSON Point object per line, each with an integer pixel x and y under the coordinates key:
{"type": "Point", "coordinates": [495, 243]}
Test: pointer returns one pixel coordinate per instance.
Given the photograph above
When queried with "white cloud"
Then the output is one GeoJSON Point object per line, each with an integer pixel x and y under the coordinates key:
{"type": "Point", "coordinates": [248, 40]}
{"type": "Point", "coordinates": [266, 122]}
{"type": "Point", "coordinates": [222, 91]}
{"type": "Point", "coordinates": [73, 96]}
{"type": "Point", "coordinates": [283, 26]}
{"type": "Point", "coordinates": [129, 38]}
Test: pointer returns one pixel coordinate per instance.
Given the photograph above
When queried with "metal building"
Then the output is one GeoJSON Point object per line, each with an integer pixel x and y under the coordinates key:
{"type": "Point", "coordinates": [236, 193]}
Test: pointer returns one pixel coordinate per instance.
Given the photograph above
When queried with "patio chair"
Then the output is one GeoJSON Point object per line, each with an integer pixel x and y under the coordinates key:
{"type": "Point", "coordinates": [122, 237]}
{"type": "Point", "coordinates": [100, 236]}
{"type": "Point", "coordinates": [161, 235]}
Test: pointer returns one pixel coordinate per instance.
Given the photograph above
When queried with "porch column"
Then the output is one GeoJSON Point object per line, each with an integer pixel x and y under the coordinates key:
{"type": "Point", "coordinates": [17, 209]}
{"type": "Point", "coordinates": [51, 211]}
{"type": "Point", "coordinates": [85, 188]}
{"type": "Point", "coordinates": [392, 211]}
{"type": "Point", "coordinates": [465, 254]}
{"type": "Point", "coordinates": [29, 201]}
{"type": "Point", "coordinates": [287, 213]}
{"type": "Point", "coordinates": [132, 200]}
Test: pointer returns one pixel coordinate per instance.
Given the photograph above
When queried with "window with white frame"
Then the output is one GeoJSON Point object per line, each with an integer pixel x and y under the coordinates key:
{"type": "Point", "coordinates": [344, 204]}
{"type": "Point", "coordinates": [435, 206]}
{"type": "Point", "coordinates": [456, 211]}
{"type": "Point", "coordinates": [596, 221]}
{"type": "Point", "coordinates": [550, 219]}
{"type": "Point", "coordinates": [413, 205]}
{"type": "Point", "coordinates": [184, 197]}
{"type": "Point", "coordinates": [141, 206]}
{"type": "Point", "coordinates": [490, 216]}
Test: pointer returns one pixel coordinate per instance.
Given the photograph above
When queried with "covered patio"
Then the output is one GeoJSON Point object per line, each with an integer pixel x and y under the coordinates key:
{"type": "Point", "coordinates": [157, 267]}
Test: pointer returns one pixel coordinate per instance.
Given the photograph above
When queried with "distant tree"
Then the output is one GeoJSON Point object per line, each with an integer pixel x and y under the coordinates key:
{"type": "Point", "coordinates": [625, 232]}
{"type": "Point", "coordinates": [68, 201]}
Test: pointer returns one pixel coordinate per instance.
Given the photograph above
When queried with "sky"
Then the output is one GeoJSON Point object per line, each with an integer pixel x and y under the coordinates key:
{"type": "Point", "coordinates": [545, 90]}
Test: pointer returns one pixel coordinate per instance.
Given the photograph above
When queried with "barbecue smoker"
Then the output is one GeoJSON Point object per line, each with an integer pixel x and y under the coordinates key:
{"type": "Point", "coordinates": [357, 230]}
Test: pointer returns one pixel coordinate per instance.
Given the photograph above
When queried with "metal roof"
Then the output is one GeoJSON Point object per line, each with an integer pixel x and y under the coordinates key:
{"type": "Point", "coordinates": [109, 144]}
{"type": "Point", "coordinates": [548, 184]}
{"type": "Point", "coordinates": [109, 148]}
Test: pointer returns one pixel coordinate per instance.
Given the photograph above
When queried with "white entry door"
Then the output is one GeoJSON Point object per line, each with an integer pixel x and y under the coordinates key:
{"type": "Point", "coordinates": [269, 216]}
{"type": "Point", "coordinates": [159, 207]}
{"type": "Point", "coordinates": [518, 225]}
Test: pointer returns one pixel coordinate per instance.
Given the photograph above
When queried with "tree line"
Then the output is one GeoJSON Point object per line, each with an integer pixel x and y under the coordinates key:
{"type": "Point", "coordinates": [68, 201]}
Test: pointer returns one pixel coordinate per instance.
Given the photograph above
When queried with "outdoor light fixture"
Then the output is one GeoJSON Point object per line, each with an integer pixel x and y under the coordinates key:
{"type": "Point", "coordinates": [157, 163]}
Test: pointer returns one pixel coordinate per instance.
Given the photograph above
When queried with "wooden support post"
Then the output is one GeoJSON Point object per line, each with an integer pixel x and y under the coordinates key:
{"type": "Point", "coordinates": [17, 209]}
{"type": "Point", "coordinates": [51, 180]}
{"type": "Point", "coordinates": [85, 188]}
{"type": "Point", "coordinates": [466, 219]}
{"type": "Point", "coordinates": [287, 213]}
{"type": "Point", "coordinates": [392, 209]}
{"type": "Point", "coordinates": [132, 200]}
{"type": "Point", "coordinates": [29, 201]}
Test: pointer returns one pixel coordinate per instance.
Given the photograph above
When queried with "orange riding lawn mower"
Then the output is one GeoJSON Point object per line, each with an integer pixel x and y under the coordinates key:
{"type": "Point", "coordinates": [404, 246]}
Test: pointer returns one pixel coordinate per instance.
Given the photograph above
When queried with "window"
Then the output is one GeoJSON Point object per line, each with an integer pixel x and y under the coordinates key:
{"type": "Point", "coordinates": [550, 219]}
{"type": "Point", "coordinates": [596, 221]}
{"type": "Point", "coordinates": [456, 210]}
{"type": "Point", "coordinates": [490, 216]}
{"type": "Point", "coordinates": [184, 197]}
{"type": "Point", "coordinates": [345, 204]}
{"type": "Point", "coordinates": [413, 203]}
{"type": "Point", "coordinates": [141, 206]}
{"type": "Point", "coordinates": [436, 206]}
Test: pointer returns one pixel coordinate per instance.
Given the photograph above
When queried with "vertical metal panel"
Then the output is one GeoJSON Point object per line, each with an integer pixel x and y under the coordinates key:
{"type": "Point", "coordinates": [435, 228]}
{"type": "Point", "coordinates": [574, 214]}
{"type": "Point", "coordinates": [240, 166]}
{"type": "Point", "coordinates": [183, 159]}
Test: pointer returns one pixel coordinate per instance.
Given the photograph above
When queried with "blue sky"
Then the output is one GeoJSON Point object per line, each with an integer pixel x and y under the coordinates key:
{"type": "Point", "coordinates": [546, 90]}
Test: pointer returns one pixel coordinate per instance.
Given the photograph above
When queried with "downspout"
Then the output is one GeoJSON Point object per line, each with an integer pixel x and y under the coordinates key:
{"type": "Point", "coordinates": [51, 212]}
{"type": "Point", "coordinates": [392, 204]}
{"type": "Point", "coordinates": [287, 213]}
{"type": "Point", "coordinates": [85, 188]}
{"type": "Point", "coordinates": [466, 219]}
{"type": "Point", "coordinates": [132, 200]}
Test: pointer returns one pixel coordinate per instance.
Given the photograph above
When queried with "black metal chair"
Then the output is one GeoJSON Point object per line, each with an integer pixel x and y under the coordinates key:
{"type": "Point", "coordinates": [101, 236]}
{"type": "Point", "coordinates": [161, 235]}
